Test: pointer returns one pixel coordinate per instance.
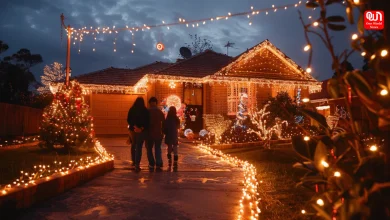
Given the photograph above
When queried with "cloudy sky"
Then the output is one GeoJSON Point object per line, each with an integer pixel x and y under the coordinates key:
{"type": "Point", "coordinates": [35, 25]}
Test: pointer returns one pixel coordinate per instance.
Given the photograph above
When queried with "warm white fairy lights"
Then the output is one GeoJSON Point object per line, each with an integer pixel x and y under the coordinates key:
{"type": "Point", "coordinates": [373, 148]}
{"type": "Point", "coordinates": [384, 92]}
{"type": "Point", "coordinates": [320, 202]}
{"type": "Point", "coordinates": [249, 202]}
{"type": "Point", "coordinates": [384, 53]}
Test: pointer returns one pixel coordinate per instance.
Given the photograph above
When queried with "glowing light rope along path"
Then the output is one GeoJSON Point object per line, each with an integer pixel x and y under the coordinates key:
{"type": "Point", "coordinates": [249, 202]}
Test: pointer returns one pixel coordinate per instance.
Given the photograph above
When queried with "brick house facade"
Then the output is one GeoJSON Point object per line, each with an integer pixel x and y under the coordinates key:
{"type": "Point", "coordinates": [209, 82]}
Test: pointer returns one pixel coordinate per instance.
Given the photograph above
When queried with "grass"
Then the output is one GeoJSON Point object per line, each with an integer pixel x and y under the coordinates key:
{"type": "Point", "coordinates": [280, 198]}
{"type": "Point", "coordinates": [12, 161]}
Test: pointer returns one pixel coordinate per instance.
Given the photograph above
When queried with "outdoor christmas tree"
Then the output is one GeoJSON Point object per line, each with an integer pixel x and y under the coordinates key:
{"type": "Point", "coordinates": [51, 74]}
{"type": "Point", "coordinates": [242, 112]}
{"type": "Point", "coordinates": [67, 122]}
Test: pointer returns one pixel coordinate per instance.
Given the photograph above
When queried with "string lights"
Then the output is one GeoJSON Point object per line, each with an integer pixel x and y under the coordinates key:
{"type": "Point", "coordinates": [78, 34]}
{"type": "Point", "coordinates": [249, 202]}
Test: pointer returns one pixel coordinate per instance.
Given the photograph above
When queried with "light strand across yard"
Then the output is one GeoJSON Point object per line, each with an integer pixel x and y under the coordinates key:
{"type": "Point", "coordinates": [249, 202]}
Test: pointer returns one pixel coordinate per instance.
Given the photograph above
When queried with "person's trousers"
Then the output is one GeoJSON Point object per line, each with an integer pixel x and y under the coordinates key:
{"type": "Point", "coordinates": [172, 148]}
{"type": "Point", "coordinates": [155, 160]}
{"type": "Point", "coordinates": [137, 141]}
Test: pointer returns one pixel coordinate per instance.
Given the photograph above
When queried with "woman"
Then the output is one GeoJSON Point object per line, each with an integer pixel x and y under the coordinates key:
{"type": "Point", "coordinates": [171, 127]}
{"type": "Point", "coordinates": [138, 120]}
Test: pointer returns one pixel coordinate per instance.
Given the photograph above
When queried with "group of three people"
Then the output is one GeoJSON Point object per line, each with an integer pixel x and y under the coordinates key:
{"type": "Point", "coordinates": [149, 126]}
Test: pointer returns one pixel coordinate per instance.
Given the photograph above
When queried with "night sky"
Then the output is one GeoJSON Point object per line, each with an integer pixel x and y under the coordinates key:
{"type": "Point", "coordinates": [35, 25]}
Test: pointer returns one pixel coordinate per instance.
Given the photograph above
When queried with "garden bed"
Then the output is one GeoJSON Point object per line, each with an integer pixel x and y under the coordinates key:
{"type": "Point", "coordinates": [44, 188]}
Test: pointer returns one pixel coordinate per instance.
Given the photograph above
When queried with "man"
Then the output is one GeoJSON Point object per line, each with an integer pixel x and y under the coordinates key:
{"type": "Point", "coordinates": [155, 135]}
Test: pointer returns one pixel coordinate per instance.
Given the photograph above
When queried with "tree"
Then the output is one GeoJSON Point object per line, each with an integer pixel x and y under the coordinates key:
{"type": "Point", "coordinates": [198, 45]}
{"type": "Point", "coordinates": [24, 59]}
{"type": "Point", "coordinates": [3, 47]}
{"type": "Point", "coordinates": [53, 73]}
{"type": "Point", "coordinates": [350, 169]}
{"type": "Point", "coordinates": [67, 122]}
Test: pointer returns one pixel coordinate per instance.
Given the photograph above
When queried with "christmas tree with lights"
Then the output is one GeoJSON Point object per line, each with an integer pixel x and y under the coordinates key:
{"type": "Point", "coordinates": [67, 122]}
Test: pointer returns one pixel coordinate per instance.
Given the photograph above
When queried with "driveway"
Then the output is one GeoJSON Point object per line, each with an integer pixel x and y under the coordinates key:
{"type": "Point", "coordinates": [204, 187]}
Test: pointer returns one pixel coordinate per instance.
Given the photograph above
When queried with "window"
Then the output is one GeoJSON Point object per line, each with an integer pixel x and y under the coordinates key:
{"type": "Point", "coordinates": [234, 93]}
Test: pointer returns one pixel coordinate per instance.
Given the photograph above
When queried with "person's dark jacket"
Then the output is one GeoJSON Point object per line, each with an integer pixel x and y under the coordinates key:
{"type": "Point", "coordinates": [156, 121]}
{"type": "Point", "coordinates": [139, 118]}
{"type": "Point", "coordinates": [171, 126]}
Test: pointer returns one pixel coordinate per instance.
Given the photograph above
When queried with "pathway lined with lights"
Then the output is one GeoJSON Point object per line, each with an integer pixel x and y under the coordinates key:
{"type": "Point", "coordinates": [206, 186]}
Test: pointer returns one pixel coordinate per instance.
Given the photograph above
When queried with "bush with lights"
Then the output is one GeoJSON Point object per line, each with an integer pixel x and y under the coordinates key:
{"type": "Point", "coordinates": [67, 122]}
{"type": "Point", "coordinates": [349, 171]}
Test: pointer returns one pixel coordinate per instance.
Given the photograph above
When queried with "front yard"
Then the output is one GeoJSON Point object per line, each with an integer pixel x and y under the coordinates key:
{"type": "Point", "coordinates": [13, 161]}
{"type": "Point", "coordinates": [280, 198]}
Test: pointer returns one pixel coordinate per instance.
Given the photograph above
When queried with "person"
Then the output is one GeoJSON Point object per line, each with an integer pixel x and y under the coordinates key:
{"type": "Point", "coordinates": [171, 127]}
{"type": "Point", "coordinates": [155, 135]}
{"type": "Point", "coordinates": [138, 120]}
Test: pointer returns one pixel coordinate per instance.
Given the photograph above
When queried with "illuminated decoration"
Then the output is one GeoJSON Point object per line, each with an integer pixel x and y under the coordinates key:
{"type": "Point", "coordinates": [249, 202]}
{"type": "Point", "coordinates": [265, 133]}
{"type": "Point", "coordinates": [172, 85]}
{"type": "Point", "coordinates": [188, 132]}
{"type": "Point", "coordinates": [341, 112]}
{"type": "Point", "coordinates": [298, 118]}
{"type": "Point", "coordinates": [324, 107]}
{"type": "Point", "coordinates": [160, 46]}
{"type": "Point", "coordinates": [241, 115]}
{"type": "Point", "coordinates": [332, 121]}
{"type": "Point", "coordinates": [65, 122]}
{"type": "Point", "coordinates": [203, 132]}
{"type": "Point", "coordinates": [53, 87]}
{"type": "Point", "coordinates": [216, 124]}
{"type": "Point", "coordinates": [174, 100]}
{"type": "Point", "coordinates": [193, 117]}
{"type": "Point", "coordinates": [305, 100]}
{"type": "Point", "coordinates": [51, 75]}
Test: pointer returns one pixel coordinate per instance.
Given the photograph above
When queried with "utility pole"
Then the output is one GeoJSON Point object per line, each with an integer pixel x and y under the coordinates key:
{"type": "Point", "coordinates": [69, 34]}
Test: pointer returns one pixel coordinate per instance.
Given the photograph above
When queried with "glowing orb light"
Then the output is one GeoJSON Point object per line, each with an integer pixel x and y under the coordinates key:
{"type": "Point", "coordinates": [160, 46]}
{"type": "Point", "coordinates": [174, 100]}
{"type": "Point", "coordinates": [203, 132]}
{"type": "Point", "coordinates": [187, 132]}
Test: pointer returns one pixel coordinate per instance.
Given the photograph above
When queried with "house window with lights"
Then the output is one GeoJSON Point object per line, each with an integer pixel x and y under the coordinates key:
{"type": "Point", "coordinates": [235, 90]}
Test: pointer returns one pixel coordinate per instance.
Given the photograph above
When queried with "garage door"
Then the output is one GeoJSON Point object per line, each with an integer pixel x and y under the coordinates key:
{"type": "Point", "coordinates": [110, 112]}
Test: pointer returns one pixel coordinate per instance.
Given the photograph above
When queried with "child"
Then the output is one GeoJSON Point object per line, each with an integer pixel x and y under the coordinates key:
{"type": "Point", "coordinates": [171, 127]}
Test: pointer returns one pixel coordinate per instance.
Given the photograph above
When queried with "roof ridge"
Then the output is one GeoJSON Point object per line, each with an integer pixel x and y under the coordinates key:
{"type": "Point", "coordinates": [149, 64]}
{"type": "Point", "coordinates": [191, 58]}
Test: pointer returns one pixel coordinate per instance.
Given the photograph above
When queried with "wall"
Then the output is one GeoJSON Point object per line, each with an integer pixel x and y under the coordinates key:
{"type": "Point", "coordinates": [216, 99]}
{"type": "Point", "coordinates": [161, 90]}
{"type": "Point", "coordinates": [18, 120]}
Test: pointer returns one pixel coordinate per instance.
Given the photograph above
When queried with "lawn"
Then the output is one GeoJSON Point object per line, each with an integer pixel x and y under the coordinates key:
{"type": "Point", "coordinates": [280, 198]}
{"type": "Point", "coordinates": [12, 161]}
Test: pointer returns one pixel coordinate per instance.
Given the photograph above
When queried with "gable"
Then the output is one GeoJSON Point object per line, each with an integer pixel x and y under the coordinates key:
{"type": "Point", "coordinates": [265, 61]}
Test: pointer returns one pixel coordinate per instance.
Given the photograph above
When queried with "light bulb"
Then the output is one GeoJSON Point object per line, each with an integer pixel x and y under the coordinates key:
{"type": "Point", "coordinates": [373, 57]}
{"type": "Point", "coordinates": [324, 163]}
{"type": "Point", "coordinates": [320, 202]}
{"type": "Point", "coordinates": [384, 53]}
{"type": "Point", "coordinates": [356, 1]}
{"type": "Point", "coordinates": [306, 138]}
{"type": "Point", "coordinates": [303, 211]}
{"type": "Point", "coordinates": [308, 70]}
{"type": "Point", "coordinates": [384, 92]}
{"type": "Point", "coordinates": [363, 54]}
{"type": "Point", "coordinates": [315, 24]}
{"type": "Point", "coordinates": [305, 100]}
{"type": "Point", "coordinates": [337, 174]}
{"type": "Point", "coordinates": [354, 36]}
{"type": "Point", "coordinates": [373, 148]}
{"type": "Point", "coordinates": [306, 48]}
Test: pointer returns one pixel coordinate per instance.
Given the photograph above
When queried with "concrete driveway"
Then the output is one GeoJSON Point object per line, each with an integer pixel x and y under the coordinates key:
{"type": "Point", "coordinates": [203, 188]}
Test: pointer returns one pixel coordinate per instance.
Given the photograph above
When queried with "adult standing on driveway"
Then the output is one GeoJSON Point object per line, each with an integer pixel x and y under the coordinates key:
{"type": "Point", "coordinates": [138, 120]}
{"type": "Point", "coordinates": [155, 135]}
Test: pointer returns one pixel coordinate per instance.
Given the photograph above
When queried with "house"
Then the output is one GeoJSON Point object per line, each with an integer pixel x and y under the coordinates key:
{"type": "Point", "coordinates": [208, 83]}
{"type": "Point", "coordinates": [334, 109]}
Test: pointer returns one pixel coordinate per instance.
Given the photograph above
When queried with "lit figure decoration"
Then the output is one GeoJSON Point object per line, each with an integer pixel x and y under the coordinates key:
{"type": "Point", "coordinates": [174, 100]}
{"type": "Point", "coordinates": [188, 132]}
{"type": "Point", "coordinates": [258, 118]}
{"type": "Point", "coordinates": [242, 111]}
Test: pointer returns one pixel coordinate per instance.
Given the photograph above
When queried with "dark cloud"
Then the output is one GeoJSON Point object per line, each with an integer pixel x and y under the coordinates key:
{"type": "Point", "coordinates": [36, 25]}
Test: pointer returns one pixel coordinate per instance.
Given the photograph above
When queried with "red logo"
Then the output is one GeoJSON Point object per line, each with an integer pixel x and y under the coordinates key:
{"type": "Point", "coordinates": [374, 20]}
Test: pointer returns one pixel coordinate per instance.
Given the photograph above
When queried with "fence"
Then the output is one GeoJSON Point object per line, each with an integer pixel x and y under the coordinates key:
{"type": "Point", "coordinates": [18, 120]}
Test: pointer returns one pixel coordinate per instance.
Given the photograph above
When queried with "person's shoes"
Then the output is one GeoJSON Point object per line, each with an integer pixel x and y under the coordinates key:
{"type": "Point", "coordinates": [169, 160]}
{"type": "Point", "coordinates": [151, 168]}
{"type": "Point", "coordinates": [137, 169]}
{"type": "Point", "coordinates": [159, 168]}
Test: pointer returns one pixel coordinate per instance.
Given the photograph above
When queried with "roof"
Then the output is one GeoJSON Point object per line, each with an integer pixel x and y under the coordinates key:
{"type": "Point", "coordinates": [265, 61]}
{"type": "Point", "coordinates": [199, 66]}
{"type": "Point", "coordinates": [120, 76]}
{"type": "Point", "coordinates": [323, 94]}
